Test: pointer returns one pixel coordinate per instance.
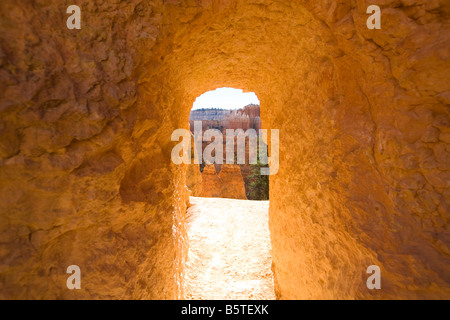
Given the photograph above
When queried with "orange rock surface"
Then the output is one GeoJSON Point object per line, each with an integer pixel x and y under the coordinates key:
{"type": "Point", "coordinates": [194, 180]}
{"type": "Point", "coordinates": [227, 184]}
{"type": "Point", "coordinates": [86, 118]}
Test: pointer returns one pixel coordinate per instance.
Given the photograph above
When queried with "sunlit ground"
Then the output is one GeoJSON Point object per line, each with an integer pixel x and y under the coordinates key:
{"type": "Point", "coordinates": [225, 98]}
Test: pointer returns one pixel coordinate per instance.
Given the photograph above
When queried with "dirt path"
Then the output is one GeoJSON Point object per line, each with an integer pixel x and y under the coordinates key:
{"type": "Point", "coordinates": [229, 250]}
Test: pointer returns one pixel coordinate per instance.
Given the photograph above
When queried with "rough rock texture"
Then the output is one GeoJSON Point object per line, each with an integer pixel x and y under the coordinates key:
{"type": "Point", "coordinates": [246, 169]}
{"type": "Point", "coordinates": [229, 250]}
{"type": "Point", "coordinates": [87, 115]}
{"type": "Point", "coordinates": [231, 182]}
{"type": "Point", "coordinates": [208, 114]}
{"type": "Point", "coordinates": [228, 183]}
{"type": "Point", "coordinates": [84, 178]}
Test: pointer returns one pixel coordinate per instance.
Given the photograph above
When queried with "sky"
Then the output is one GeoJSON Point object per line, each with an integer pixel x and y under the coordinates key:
{"type": "Point", "coordinates": [225, 98]}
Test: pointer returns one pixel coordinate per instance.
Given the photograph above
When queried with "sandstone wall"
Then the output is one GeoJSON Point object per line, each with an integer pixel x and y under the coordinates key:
{"type": "Point", "coordinates": [207, 114]}
{"type": "Point", "coordinates": [84, 178]}
{"type": "Point", "coordinates": [194, 180]}
{"type": "Point", "coordinates": [228, 183]}
{"type": "Point", "coordinates": [210, 182]}
{"type": "Point", "coordinates": [86, 119]}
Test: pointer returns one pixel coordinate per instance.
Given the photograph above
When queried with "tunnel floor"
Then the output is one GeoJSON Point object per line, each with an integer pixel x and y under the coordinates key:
{"type": "Point", "coordinates": [229, 250]}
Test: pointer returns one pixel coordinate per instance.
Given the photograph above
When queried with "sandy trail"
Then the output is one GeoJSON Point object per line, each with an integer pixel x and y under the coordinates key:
{"type": "Point", "coordinates": [229, 250]}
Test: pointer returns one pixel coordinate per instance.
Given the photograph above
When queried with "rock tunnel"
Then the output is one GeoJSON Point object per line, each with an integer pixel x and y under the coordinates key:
{"type": "Point", "coordinates": [86, 176]}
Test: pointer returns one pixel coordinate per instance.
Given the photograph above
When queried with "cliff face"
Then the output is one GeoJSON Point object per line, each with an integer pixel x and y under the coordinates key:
{"type": "Point", "coordinates": [82, 179]}
{"type": "Point", "coordinates": [87, 116]}
{"type": "Point", "coordinates": [232, 183]}
{"type": "Point", "coordinates": [227, 184]}
{"type": "Point", "coordinates": [208, 114]}
{"type": "Point", "coordinates": [194, 180]}
{"type": "Point", "coordinates": [244, 118]}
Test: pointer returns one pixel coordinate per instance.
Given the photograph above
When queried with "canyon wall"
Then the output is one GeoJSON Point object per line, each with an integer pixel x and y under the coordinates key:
{"type": "Point", "coordinates": [244, 118]}
{"type": "Point", "coordinates": [87, 116]}
{"type": "Point", "coordinates": [210, 182]}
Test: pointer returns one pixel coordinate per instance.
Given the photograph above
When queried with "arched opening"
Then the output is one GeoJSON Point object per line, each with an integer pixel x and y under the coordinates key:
{"type": "Point", "coordinates": [227, 219]}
